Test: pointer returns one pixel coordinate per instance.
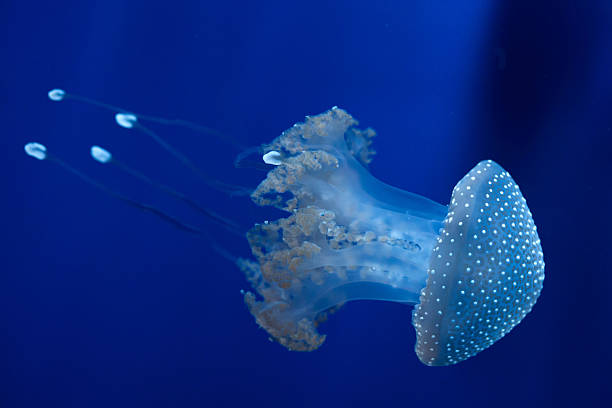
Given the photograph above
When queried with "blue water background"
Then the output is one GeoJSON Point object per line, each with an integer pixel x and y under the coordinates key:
{"type": "Point", "coordinates": [103, 306]}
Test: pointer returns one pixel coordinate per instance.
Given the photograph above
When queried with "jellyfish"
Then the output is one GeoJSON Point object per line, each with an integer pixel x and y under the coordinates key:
{"type": "Point", "coordinates": [471, 270]}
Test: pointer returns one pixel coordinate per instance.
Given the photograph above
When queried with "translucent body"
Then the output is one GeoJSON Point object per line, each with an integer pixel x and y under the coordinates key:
{"type": "Point", "coordinates": [474, 268]}
{"type": "Point", "coordinates": [349, 236]}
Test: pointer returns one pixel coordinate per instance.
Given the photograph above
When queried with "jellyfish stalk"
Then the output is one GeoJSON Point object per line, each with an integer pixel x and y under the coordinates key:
{"type": "Point", "coordinates": [129, 120]}
{"type": "Point", "coordinates": [58, 95]}
{"type": "Point", "coordinates": [40, 152]}
{"type": "Point", "coordinates": [103, 156]}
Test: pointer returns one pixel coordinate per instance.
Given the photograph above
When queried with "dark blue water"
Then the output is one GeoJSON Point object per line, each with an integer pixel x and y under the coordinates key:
{"type": "Point", "coordinates": [104, 306]}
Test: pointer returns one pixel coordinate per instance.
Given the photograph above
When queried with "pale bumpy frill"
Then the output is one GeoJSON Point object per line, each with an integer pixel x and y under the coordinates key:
{"type": "Point", "coordinates": [311, 152]}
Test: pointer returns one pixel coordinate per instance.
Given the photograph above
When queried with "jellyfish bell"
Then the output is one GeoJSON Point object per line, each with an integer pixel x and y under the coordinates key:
{"type": "Point", "coordinates": [485, 272]}
{"type": "Point", "coordinates": [474, 268]}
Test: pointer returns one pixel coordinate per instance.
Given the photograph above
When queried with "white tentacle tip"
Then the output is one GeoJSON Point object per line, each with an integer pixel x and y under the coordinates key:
{"type": "Point", "coordinates": [272, 157]}
{"type": "Point", "coordinates": [101, 155]}
{"type": "Point", "coordinates": [56, 94]}
{"type": "Point", "coordinates": [126, 120]}
{"type": "Point", "coordinates": [36, 150]}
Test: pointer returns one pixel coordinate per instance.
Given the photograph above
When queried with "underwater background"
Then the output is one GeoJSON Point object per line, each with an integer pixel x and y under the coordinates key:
{"type": "Point", "coordinates": [102, 305]}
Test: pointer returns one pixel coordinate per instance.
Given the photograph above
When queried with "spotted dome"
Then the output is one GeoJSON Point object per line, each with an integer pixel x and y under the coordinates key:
{"type": "Point", "coordinates": [485, 273]}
